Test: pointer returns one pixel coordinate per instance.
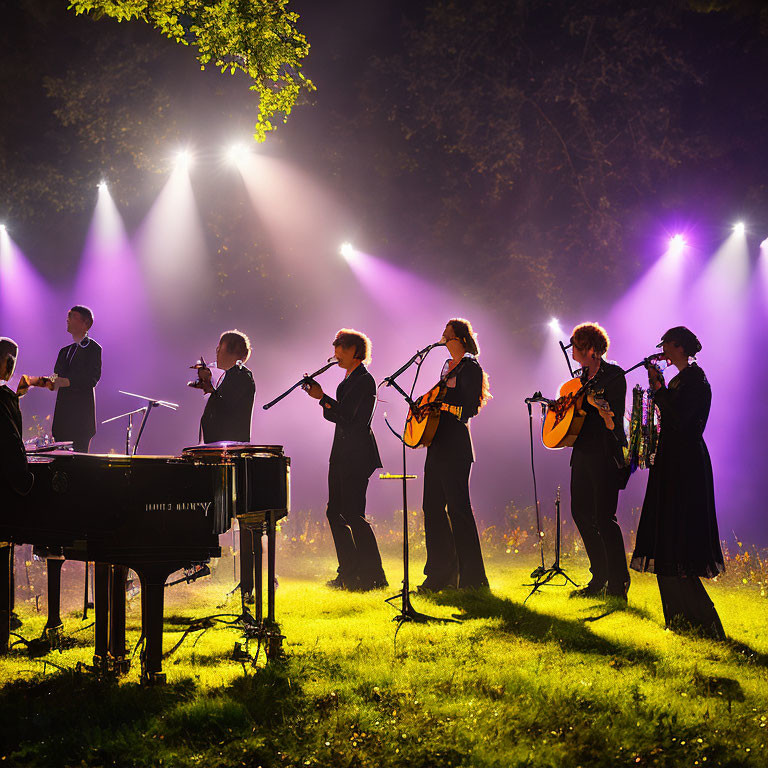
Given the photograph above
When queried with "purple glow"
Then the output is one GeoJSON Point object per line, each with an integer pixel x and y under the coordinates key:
{"type": "Point", "coordinates": [677, 244]}
{"type": "Point", "coordinates": [172, 250]}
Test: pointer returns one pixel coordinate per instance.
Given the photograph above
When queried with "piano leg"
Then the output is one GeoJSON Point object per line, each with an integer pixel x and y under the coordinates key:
{"type": "Point", "coordinates": [274, 644]}
{"type": "Point", "coordinates": [101, 609]}
{"type": "Point", "coordinates": [6, 580]}
{"type": "Point", "coordinates": [153, 594]}
{"type": "Point", "coordinates": [271, 536]}
{"type": "Point", "coordinates": [54, 625]}
{"type": "Point", "coordinates": [118, 657]}
{"type": "Point", "coordinates": [255, 533]}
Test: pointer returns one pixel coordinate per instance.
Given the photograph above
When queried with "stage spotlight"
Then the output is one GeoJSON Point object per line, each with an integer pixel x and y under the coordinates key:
{"type": "Point", "coordinates": [183, 159]}
{"type": "Point", "coordinates": [764, 245]}
{"type": "Point", "coordinates": [677, 243]}
{"type": "Point", "coordinates": [237, 153]}
{"type": "Point", "coordinates": [739, 228]}
{"type": "Point", "coordinates": [554, 325]}
{"type": "Point", "coordinates": [2, 228]}
{"type": "Point", "coordinates": [102, 185]}
{"type": "Point", "coordinates": [347, 250]}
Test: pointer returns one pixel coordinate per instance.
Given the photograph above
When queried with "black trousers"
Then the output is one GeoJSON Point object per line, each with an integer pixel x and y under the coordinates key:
{"type": "Point", "coordinates": [594, 497]}
{"type": "Point", "coordinates": [454, 557]}
{"type": "Point", "coordinates": [356, 547]}
{"type": "Point", "coordinates": [686, 604]}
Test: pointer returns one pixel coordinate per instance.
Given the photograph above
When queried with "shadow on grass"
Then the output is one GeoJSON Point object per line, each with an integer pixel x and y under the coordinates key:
{"type": "Point", "coordinates": [521, 621]}
{"type": "Point", "coordinates": [72, 719]}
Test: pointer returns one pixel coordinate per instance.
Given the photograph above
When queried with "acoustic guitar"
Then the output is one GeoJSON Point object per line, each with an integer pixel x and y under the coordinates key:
{"type": "Point", "coordinates": [565, 416]}
{"type": "Point", "coordinates": [421, 422]}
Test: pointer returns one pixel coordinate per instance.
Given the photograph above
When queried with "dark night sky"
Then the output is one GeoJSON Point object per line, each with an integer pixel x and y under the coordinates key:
{"type": "Point", "coordinates": [424, 144]}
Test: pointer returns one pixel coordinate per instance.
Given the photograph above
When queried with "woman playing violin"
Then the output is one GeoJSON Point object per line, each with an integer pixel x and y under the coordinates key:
{"type": "Point", "coordinates": [677, 537]}
{"type": "Point", "coordinates": [454, 558]}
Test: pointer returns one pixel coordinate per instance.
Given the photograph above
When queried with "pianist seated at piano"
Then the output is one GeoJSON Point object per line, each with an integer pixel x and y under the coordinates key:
{"type": "Point", "coordinates": [15, 478]}
{"type": "Point", "coordinates": [227, 417]}
{"type": "Point", "coordinates": [15, 474]}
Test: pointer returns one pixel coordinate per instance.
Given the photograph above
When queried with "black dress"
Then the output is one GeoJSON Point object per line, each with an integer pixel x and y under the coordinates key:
{"type": "Point", "coordinates": [677, 534]}
{"type": "Point", "coordinates": [454, 557]}
{"type": "Point", "coordinates": [677, 537]}
{"type": "Point", "coordinates": [354, 457]}
{"type": "Point", "coordinates": [74, 417]}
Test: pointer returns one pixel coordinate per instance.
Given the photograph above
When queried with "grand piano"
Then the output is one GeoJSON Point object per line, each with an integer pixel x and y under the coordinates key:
{"type": "Point", "coordinates": [154, 515]}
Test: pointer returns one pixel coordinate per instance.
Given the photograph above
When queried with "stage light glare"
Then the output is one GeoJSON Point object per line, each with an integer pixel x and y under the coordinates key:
{"type": "Point", "coordinates": [677, 243]}
{"type": "Point", "coordinates": [739, 227]}
{"type": "Point", "coordinates": [347, 250]}
{"type": "Point", "coordinates": [183, 159]}
{"type": "Point", "coordinates": [3, 228]}
{"type": "Point", "coordinates": [237, 153]}
{"type": "Point", "coordinates": [102, 185]}
{"type": "Point", "coordinates": [554, 325]}
{"type": "Point", "coordinates": [764, 245]}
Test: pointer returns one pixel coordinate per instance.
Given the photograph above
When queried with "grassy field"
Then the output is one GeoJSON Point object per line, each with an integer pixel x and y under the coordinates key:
{"type": "Point", "coordinates": [552, 682]}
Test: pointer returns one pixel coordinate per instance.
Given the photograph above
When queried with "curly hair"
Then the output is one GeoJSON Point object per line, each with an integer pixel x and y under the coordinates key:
{"type": "Point", "coordinates": [591, 335]}
{"type": "Point", "coordinates": [349, 337]}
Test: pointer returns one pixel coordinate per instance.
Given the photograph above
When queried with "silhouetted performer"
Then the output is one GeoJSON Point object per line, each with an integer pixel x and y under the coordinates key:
{"type": "Point", "coordinates": [15, 479]}
{"type": "Point", "coordinates": [596, 466]}
{"type": "Point", "coordinates": [78, 370]}
{"type": "Point", "coordinates": [227, 417]}
{"type": "Point", "coordinates": [454, 558]}
{"type": "Point", "coordinates": [677, 537]}
{"type": "Point", "coordinates": [354, 458]}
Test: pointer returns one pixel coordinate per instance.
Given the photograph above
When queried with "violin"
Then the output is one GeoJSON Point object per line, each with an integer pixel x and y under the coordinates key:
{"type": "Point", "coordinates": [203, 375]}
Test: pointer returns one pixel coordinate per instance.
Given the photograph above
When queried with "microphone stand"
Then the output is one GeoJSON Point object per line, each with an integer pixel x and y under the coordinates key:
{"type": "Point", "coordinates": [407, 612]}
{"type": "Point", "coordinates": [542, 575]}
{"type": "Point", "coordinates": [305, 380]}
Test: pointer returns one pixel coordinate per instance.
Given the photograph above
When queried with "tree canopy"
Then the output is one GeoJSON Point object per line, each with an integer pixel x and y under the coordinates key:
{"type": "Point", "coordinates": [256, 37]}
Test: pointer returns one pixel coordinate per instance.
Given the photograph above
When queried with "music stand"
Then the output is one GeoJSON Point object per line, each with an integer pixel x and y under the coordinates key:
{"type": "Point", "coordinates": [151, 403]}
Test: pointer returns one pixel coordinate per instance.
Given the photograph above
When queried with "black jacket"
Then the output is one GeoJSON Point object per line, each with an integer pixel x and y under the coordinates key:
{"type": "Point", "coordinates": [14, 471]}
{"type": "Point", "coordinates": [75, 412]}
{"type": "Point", "coordinates": [352, 412]}
{"type": "Point", "coordinates": [452, 438]}
{"type": "Point", "coordinates": [677, 534]}
{"type": "Point", "coordinates": [228, 412]}
{"type": "Point", "coordinates": [593, 438]}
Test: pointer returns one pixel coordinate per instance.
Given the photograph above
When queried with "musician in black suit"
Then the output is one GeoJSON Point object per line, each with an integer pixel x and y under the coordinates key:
{"type": "Point", "coordinates": [354, 458]}
{"type": "Point", "coordinates": [78, 370]}
{"type": "Point", "coordinates": [227, 417]}
{"type": "Point", "coordinates": [228, 412]}
{"type": "Point", "coordinates": [596, 465]}
{"type": "Point", "coordinates": [454, 557]}
{"type": "Point", "coordinates": [15, 479]}
{"type": "Point", "coordinates": [677, 537]}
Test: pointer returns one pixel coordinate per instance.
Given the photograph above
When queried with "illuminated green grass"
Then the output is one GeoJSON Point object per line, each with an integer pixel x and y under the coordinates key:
{"type": "Point", "coordinates": [554, 682]}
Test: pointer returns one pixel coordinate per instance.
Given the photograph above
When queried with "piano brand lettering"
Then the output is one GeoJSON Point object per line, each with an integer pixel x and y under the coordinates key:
{"type": "Point", "coordinates": [179, 506]}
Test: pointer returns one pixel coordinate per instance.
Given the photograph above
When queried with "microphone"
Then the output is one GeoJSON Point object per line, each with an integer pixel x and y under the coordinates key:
{"type": "Point", "coordinates": [440, 343]}
{"type": "Point", "coordinates": [332, 359]}
{"type": "Point", "coordinates": [656, 358]}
